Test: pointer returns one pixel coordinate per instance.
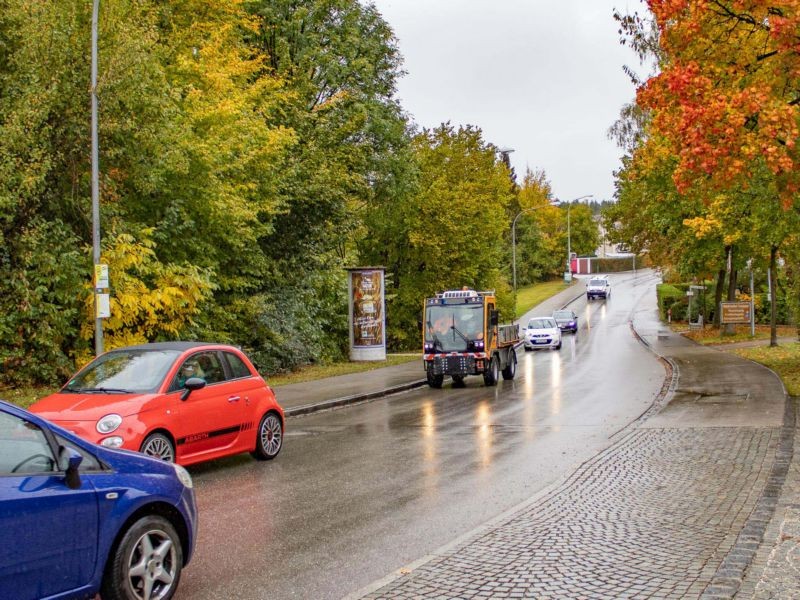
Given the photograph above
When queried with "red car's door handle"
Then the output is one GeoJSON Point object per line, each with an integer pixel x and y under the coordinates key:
{"type": "Point", "coordinates": [234, 399]}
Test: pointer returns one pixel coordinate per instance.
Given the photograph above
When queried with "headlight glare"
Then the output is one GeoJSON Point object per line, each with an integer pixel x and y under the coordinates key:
{"type": "Point", "coordinates": [183, 475]}
{"type": "Point", "coordinates": [108, 424]}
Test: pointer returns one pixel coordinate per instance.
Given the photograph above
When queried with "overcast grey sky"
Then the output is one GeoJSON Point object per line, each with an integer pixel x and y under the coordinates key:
{"type": "Point", "coordinates": [543, 77]}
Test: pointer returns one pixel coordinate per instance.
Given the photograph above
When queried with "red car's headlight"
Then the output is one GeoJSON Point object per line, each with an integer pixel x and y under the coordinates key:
{"type": "Point", "coordinates": [108, 424]}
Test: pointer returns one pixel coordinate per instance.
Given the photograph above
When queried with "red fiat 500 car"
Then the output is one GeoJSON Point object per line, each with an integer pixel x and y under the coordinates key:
{"type": "Point", "coordinates": [185, 402]}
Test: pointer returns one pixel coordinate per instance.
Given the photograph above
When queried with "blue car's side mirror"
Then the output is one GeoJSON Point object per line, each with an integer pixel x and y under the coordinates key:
{"type": "Point", "coordinates": [69, 461]}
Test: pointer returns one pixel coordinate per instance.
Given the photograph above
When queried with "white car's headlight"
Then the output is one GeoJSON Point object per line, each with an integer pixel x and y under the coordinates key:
{"type": "Point", "coordinates": [183, 475]}
{"type": "Point", "coordinates": [108, 424]}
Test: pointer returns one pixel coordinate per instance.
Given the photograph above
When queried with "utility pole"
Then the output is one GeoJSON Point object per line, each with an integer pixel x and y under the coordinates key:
{"type": "Point", "coordinates": [98, 322]}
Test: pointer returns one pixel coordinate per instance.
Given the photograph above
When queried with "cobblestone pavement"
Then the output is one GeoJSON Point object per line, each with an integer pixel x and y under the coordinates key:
{"type": "Point", "coordinates": [776, 571]}
{"type": "Point", "coordinates": [654, 516]}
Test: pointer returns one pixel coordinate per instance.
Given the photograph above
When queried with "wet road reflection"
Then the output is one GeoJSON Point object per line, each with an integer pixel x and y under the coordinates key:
{"type": "Point", "coordinates": [361, 491]}
{"type": "Point", "coordinates": [483, 432]}
{"type": "Point", "coordinates": [429, 444]}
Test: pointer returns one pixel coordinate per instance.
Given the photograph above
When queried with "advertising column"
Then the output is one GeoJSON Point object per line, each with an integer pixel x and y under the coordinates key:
{"type": "Point", "coordinates": [367, 314]}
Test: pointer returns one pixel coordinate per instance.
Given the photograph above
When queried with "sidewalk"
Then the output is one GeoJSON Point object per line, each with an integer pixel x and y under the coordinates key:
{"type": "Point", "coordinates": [698, 499]}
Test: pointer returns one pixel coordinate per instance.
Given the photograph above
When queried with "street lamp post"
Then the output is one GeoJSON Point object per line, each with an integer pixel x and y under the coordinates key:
{"type": "Point", "coordinates": [98, 322]}
{"type": "Point", "coordinates": [569, 234]}
{"type": "Point", "coordinates": [514, 239]}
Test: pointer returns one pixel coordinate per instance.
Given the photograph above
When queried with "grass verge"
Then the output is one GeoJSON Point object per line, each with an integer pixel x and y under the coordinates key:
{"type": "Point", "coordinates": [710, 335]}
{"type": "Point", "coordinates": [784, 360]}
{"type": "Point", "coordinates": [313, 372]}
{"type": "Point", "coordinates": [25, 396]}
{"type": "Point", "coordinates": [531, 295]}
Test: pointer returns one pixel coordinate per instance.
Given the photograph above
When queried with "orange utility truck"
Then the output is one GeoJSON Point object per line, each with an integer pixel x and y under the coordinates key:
{"type": "Point", "coordinates": [461, 337]}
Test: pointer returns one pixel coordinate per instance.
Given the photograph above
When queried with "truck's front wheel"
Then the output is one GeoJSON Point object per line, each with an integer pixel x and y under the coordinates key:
{"type": "Point", "coordinates": [435, 381]}
{"type": "Point", "coordinates": [492, 373]}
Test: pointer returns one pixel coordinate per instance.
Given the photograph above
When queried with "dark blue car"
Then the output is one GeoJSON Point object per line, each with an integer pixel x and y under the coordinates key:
{"type": "Point", "coordinates": [77, 519]}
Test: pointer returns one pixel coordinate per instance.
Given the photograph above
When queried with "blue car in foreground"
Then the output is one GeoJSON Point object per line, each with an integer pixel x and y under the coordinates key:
{"type": "Point", "coordinates": [78, 519]}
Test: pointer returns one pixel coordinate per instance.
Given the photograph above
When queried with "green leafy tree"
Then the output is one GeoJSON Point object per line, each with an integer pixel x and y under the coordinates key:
{"type": "Point", "coordinates": [44, 161]}
{"type": "Point", "coordinates": [536, 231]}
{"type": "Point", "coordinates": [338, 61]}
{"type": "Point", "coordinates": [452, 228]}
{"type": "Point", "coordinates": [584, 236]}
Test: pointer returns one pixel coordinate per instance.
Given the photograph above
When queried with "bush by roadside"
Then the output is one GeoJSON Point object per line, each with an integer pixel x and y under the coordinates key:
{"type": "Point", "coordinates": [313, 372]}
{"type": "Point", "coordinates": [667, 295]}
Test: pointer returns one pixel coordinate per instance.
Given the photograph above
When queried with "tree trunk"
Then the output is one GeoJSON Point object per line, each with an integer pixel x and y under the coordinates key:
{"type": "Point", "coordinates": [730, 328]}
{"type": "Point", "coordinates": [773, 296]}
{"type": "Point", "coordinates": [718, 290]}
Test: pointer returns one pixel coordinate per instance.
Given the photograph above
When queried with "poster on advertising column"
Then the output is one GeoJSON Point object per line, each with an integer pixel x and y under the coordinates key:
{"type": "Point", "coordinates": [367, 318]}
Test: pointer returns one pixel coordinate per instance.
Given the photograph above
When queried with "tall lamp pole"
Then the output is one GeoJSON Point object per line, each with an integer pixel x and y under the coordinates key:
{"type": "Point", "coordinates": [514, 238]}
{"type": "Point", "coordinates": [98, 323]}
{"type": "Point", "coordinates": [569, 233]}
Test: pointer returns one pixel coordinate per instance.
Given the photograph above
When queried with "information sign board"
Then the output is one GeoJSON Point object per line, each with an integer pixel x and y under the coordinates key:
{"type": "Point", "coordinates": [101, 277]}
{"type": "Point", "coordinates": [735, 312]}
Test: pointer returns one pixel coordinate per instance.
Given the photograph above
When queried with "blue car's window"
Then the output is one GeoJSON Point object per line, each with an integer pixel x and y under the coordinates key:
{"type": "Point", "coordinates": [89, 463]}
{"type": "Point", "coordinates": [124, 371]}
{"type": "Point", "coordinates": [23, 447]}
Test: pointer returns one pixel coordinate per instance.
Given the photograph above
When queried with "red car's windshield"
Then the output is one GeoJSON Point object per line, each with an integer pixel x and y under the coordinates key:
{"type": "Point", "coordinates": [124, 371]}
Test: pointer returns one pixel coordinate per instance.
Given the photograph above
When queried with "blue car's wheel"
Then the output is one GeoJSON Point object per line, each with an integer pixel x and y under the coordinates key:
{"type": "Point", "coordinates": [146, 564]}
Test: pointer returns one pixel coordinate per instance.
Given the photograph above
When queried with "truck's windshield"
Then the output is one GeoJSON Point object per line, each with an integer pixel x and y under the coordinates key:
{"type": "Point", "coordinates": [445, 324]}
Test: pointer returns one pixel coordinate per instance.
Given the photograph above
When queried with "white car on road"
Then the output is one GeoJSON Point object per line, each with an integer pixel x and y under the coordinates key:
{"type": "Point", "coordinates": [542, 332]}
{"type": "Point", "coordinates": [598, 287]}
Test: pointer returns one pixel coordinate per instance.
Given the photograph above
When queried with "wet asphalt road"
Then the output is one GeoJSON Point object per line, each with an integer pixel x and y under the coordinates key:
{"type": "Point", "coordinates": [361, 491]}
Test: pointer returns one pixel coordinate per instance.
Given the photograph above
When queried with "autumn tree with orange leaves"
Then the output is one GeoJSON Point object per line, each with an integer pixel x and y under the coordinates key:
{"type": "Point", "coordinates": [725, 106]}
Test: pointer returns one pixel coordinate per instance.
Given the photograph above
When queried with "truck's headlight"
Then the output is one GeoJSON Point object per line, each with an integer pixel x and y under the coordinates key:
{"type": "Point", "coordinates": [108, 424]}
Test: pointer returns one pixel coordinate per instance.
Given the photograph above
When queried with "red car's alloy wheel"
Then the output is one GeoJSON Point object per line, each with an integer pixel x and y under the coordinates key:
{"type": "Point", "coordinates": [270, 437]}
{"type": "Point", "coordinates": [158, 446]}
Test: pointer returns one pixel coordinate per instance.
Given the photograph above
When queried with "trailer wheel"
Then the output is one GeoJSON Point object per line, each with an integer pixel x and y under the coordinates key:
{"type": "Point", "coordinates": [511, 367]}
{"type": "Point", "coordinates": [492, 374]}
{"type": "Point", "coordinates": [435, 381]}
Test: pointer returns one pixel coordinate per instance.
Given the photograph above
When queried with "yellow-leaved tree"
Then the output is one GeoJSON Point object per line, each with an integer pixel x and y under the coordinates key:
{"type": "Point", "coordinates": [150, 300]}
